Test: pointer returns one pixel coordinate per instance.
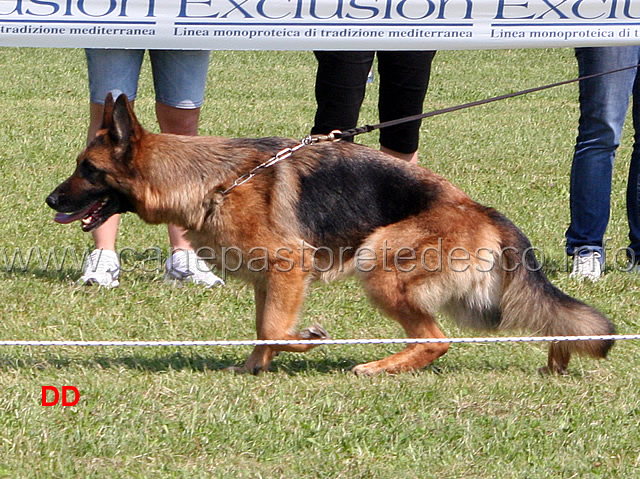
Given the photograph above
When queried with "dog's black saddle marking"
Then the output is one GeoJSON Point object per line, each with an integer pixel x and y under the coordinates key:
{"type": "Point", "coordinates": [344, 200]}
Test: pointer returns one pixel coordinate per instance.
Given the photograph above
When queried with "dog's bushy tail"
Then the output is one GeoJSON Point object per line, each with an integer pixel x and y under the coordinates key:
{"type": "Point", "coordinates": [530, 302]}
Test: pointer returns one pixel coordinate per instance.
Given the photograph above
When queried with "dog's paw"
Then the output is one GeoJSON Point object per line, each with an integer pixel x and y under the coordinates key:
{"type": "Point", "coordinates": [235, 370]}
{"type": "Point", "coordinates": [547, 371]}
{"type": "Point", "coordinates": [314, 332]}
{"type": "Point", "coordinates": [367, 369]}
{"type": "Point", "coordinates": [256, 370]}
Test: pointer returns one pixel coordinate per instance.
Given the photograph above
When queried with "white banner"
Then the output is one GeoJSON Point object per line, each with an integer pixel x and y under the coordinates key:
{"type": "Point", "coordinates": [319, 24]}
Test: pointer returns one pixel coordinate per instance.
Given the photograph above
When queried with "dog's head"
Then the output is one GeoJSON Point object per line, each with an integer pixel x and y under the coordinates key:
{"type": "Point", "coordinates": [101, 184]}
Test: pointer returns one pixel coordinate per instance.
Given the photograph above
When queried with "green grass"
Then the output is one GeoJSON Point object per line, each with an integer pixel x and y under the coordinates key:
{"type": "Point", "coordinates": [480, 411]}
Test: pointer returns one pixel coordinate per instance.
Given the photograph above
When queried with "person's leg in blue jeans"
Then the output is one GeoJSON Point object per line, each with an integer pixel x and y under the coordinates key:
{"type": "Point", "coordinates": [633, 183]}
{"type": "Point", "coordinates": [603, 106]}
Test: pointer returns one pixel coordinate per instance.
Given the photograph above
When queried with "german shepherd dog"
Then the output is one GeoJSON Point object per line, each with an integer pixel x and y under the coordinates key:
{"type": "Point", "coordinates": [417, 243]}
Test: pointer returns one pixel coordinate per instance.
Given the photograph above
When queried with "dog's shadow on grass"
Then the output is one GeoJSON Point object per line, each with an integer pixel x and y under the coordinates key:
{"type": "Point", "coordinates": [166, 363]}
{"type": "Point", "coordinates": [219, 364]}
{"type": "Point", "coordinates": [204, 364]}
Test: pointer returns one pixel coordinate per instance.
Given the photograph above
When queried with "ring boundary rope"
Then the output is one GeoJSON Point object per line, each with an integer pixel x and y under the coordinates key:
{"type": "Point", "coordinates": [320, 342]}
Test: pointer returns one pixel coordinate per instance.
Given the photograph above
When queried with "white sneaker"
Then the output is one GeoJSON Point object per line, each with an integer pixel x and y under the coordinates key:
{"type": "Point", "coordinates": [102, 268]}
{"type": "Point", "coordinates": [188, 266]}
{"type": "Point", "coordinates": [587, 265]}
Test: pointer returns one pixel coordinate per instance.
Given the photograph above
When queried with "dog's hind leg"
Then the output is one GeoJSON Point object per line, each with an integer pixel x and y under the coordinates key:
{"type": "Point", "coordinates": [278, 303]}
{"type": "Point", "coordinates": [558, 362]}
{"type": "Point", "coordinates": [414, 356]}
{"type": "Point", "coordinates": [397, 294]}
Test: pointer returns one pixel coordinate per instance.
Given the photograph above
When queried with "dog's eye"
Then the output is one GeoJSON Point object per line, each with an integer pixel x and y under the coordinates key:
{"type": "Point", "coordinates": [89, 172]}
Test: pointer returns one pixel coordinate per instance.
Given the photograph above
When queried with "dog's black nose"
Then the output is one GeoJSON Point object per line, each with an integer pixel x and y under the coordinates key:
{"type": "Point", "coordinates": [52, 200]}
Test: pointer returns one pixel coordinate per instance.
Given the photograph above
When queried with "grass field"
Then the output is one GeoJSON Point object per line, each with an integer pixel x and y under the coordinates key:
{"type": "Point", "coordinates": [481, 411]}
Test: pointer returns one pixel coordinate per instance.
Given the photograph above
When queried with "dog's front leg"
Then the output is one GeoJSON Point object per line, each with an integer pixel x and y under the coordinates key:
{"type": "Point", "coordinates": [279, 299]}
{"type": "Point", "coordinates": [262, 355]}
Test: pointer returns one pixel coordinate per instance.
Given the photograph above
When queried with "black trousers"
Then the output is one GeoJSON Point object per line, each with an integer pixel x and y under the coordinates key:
{"type": "Point", "coordinates": [341, 83]}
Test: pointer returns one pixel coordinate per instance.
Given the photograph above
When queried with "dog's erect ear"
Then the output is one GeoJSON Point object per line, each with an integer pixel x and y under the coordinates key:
{"type": "Point", "coordinates": [107, 111]}
{"type": "Point", "coordinates": [120, 121]}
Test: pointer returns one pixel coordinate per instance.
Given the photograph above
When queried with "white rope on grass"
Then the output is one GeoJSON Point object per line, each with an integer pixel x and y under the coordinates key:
{"type": "Point", "coordinates": [319, 342]}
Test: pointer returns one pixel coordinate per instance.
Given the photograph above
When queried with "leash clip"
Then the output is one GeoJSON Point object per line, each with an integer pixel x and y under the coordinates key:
{"type": "Point", "coordinates": [335, 135]}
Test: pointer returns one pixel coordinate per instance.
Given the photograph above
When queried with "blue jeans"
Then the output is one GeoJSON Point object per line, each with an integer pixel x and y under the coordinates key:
{"type": "Point", "coordinates": [179, 76]}
{"type": "Point", "coordinates": [604, 102]}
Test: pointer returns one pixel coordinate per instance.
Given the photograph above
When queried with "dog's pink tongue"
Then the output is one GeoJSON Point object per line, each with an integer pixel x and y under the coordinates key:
{"type": "Point", "coordinates": [64, 218]}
